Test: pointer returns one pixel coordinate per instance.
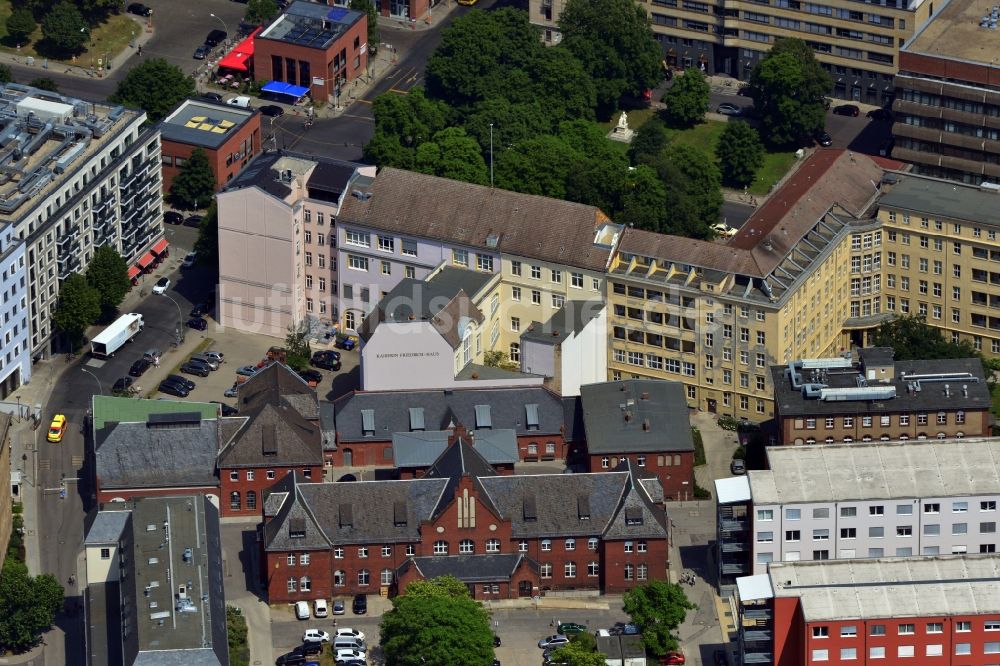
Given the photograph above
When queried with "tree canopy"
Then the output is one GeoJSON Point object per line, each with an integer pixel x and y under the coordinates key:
{"type": "Point", "coordinates": [297, 350]}
{"type": "Point", "coordinates": [694, 190]}
{"type": "Point", "coordinates": [614, 41]}
{"type": "Point", "coordinates": [108, 274]}
{"type": "Point", "coordinates": [402, 123]}
{"type": "Point", "coordinates": [21, 24]}
{"type": "Point", "coordinates": [194, 185]}
{"type": "Point", "coordinates": [260, 12]}
{"type": "Point", "coordinates": [580, 651]}
{"type": "Point", "coordinates": [374, 34]}
{"type": "Point", "coordinates": [453, 154]}
{"type": "Point", "coordinates": [789, 89]}
{"type": "Point", "coordinates": [44, 83]}
{"type": "Point", "coordinates": [437, 622]}
{"type": "Point", "coordinates": [6, 76]}
{"type": "Point", "coordinates": [687, 98]}
{"type": "Point", "coordinates": [65, 29]}
{"type": "Point", "coordinates": [29, 605]}
{"type": "Point", "coordinates": [740, 153]}
{"type": "Point", "coordinates": [912, 338]}
{"type": "Point", "coordinates": [155, 86]}
{"type": "Point", "coordinates": [207, 245]}
{"type": "Point", "coordinates": [658, 608]}
{"type": "Point", "coordinates": [79, 306]}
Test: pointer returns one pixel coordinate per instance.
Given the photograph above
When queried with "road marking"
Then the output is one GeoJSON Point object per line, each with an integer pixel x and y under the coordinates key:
{"type": "Point", "coordinates": [95, 363]}
{"type": "Point", "coordinates": [77, 461]}
{"type": "Point", "coordinates": [399, 92]}
{"type": "Point", "coordinates": [364, 101]}
{"type": "Point", "coordinates": [351, 115]}
{"type": "Point", "coordinates": [44, 463]}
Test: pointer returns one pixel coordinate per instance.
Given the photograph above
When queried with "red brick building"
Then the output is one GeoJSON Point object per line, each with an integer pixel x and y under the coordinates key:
{"type": "Point", "coordinates": [921, 610]}
{"type": "Point", "coordinates": [359, 426]}
{"type": "Point", "coordinates": [278, 434]}
{"type": "Point", "coordinates": [229, 135]}
{"type": "Point", "coordinates": [313, 46]}
{"type": "Point", "coordinates": [644, 422]}
{"type": "Point", "coordinates": [505, 536]}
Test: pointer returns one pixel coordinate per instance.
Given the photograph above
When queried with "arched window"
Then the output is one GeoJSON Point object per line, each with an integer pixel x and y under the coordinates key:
{"type": "Point", "coordinates": [629, 572]}
{"type": "Point", "coordinates": [515, 352]}
{"type": "Point", "coordinates": [234, 501]}
{"type": "Point", "coordinates": [349, 322]}
{"type": "Point", "coordinates": [339, 579]}
{"type": "Point", "coordinates": [466, 546]}
{"type": "Point", "coordinates": [251, 499]}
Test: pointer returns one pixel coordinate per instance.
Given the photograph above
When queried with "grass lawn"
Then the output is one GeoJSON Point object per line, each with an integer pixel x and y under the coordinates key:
{"type": "Point", "coordinates": [112, 37]}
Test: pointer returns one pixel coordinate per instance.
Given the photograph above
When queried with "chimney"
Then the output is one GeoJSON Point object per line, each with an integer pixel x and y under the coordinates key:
{"type": "Point", "coordinates": [644, 396]}
{"type": "Point", "coordinates": [947, 391]}
{"type": "Point", "coordinates": [646, 425]}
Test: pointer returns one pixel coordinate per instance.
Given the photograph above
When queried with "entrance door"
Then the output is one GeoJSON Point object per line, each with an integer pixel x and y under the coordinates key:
{"type": "Point", "coordinates": [399, 8]}
{"type": "Point", "coordinates": [348, 458]}
{"type": "Point", "coordinates": [524, 588]}
{"type": "Point", "coordinates": [712, 405]}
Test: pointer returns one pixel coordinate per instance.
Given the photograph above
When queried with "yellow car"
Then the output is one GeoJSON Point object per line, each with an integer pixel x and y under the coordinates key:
{"type": "Point", "coordinates": [58, 428]}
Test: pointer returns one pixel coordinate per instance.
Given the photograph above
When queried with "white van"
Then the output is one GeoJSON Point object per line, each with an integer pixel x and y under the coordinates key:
{"type": "Point", "coordinates": [242, 101]}
{"type": "Point", "coordinates": [302, 610]}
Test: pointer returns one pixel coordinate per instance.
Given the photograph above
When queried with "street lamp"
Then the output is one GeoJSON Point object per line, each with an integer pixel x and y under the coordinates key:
{"type": "Point", "coordinates": [100, 389]}
{"type": "Point", "coordinates": [180, 320]}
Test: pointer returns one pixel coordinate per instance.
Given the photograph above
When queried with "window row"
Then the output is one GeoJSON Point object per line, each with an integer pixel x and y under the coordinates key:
{"type": "Point", "coordinates": [903, 629]}
{"type": "Point", "coordinates": [545, 570]}
{"type": "Point", "coordinates": [878, 532]}
{"type": "Point", "coordinates": [906, 509]}
{"type": "Point", "coordinates": [884, 420]}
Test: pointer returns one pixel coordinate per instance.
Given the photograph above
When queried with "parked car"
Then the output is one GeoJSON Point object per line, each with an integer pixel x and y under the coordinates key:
{"type": "Point", "coordinates": [311, 376]}
{"type": "Point", "coordinates": [195, 369]}
{"type": "Point", "coordinates": [570, 628]}
{"type": "Point", "coordinates": [724, 230]}
{"type": "Point", "coordinates": [173, 217]}
{"type": "Point", "coordinates": [211, 96]}
{"type": "Point", "coordinates": [347, 632]}
{"type": "Point", "coordinates": [880, 114]}
{"type": "Point", "coordinates": [496, 641]}
{"type": "Point", "coordinates": [328, 360]}
{"type": "Point", "coordinates": [216, 37]}
{"type": "Point", "coordinates": [672, 659]}
{"type": "Point", "coordinates": [338, 607]}
{"type": "Point", "coordinates": [553, 641]}
{"type": "Point", "coordinates": [313, 635]}
{"type": "Point", "coordinates": [728, 109]}
{"type": "Point", "coordinates": [189, 259]}
{"type": "Point", "coordinates": [309, 649]}
{"type": "Point", "coordinates": [161, 285]}
{"type": "Point", "coordinates": [171, 388]}
{"type": "Point", "coordinates": [242, 101]}
{"type": "Point", "coordinates": [292, 658]}
{"type": "Point", "coordinates": [301, 610]}
{"type": "Point", "coordinates": [272, 110]}
{"type": "Point", "coordinates": [57, 429]}
{"type": "Point", "coordinates": [248, 370]}
{"type": "Point", "coordinates": [183, 381]}
{"type": "Point", "coordinates": [139, 9]}
{"type": "Point", "coordinates": [228, 410]}
{"type": "Point", "coordinates": [847, 110]}
{"type": "Point", "coordinates": [122, 386]}
{"type": "Point", "coordinates": [347, 654]}
{"type": "Point", "coordinates": [360, 605]}
{"type": "Point", "coordinates": [824, 139]}
{"type": "Point", "coordinates": [199, 310]}
{"type": "Point", "coordinates": [230, 392]}
{"type": "Point", "coordinates": [345, 342]}
{"type": "Point", "coordinates": [207, 360]}
{"type": "Point", "coordinates": [213, 355]}
{"type": "Point", "coordinates": [139, 367]}
{"type": "Point", "coordinates": [202, 52]}
{"type": "Point", "coordinates": [320, 609]}
{"type": "Point", "coordinates": [738, 466]}
{"type": "Point", "coordinates": [198, 323]}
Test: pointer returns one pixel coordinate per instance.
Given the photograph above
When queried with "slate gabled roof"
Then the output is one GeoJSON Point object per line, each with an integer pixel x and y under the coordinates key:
{"type": "Point", "coordinates": [294, 516]}
{"type": "Point", "coordinates": [637, 515]}
{"type": "Point", "coordinates": [467, 568]}
{"type": "Point", "coordinates": [457, 460]}
{"type": "Point", "coordinates": [134, 455]}
{"type": "Point", "coordinates": [422, 448]}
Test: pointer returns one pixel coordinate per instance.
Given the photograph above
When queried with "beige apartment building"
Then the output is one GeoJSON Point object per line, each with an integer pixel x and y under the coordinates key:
{"type": "Point", "coordinates": [717, 315]}
{"type": "Point", "coordinates": [857, 42]}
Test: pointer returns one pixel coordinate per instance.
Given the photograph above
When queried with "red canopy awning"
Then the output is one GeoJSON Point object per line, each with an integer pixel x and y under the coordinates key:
{"type": "Point", "coordinates": [160, 246]}
{"type": "Point", "coordinates": [133, 271]}
{"type": "Point", "coordinates": [239, 57]}
{"type": "Point", "coordinates": [146, 260]}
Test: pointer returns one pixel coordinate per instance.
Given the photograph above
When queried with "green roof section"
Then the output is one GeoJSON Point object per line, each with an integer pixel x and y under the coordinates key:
{"type": "Point", "coordinates": [130, 410]}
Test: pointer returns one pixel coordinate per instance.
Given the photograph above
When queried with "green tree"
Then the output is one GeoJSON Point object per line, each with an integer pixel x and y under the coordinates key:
{"type": "Point", "coordinates": [688, 173]}
{"type": "Point", "coordinates": [499, 359]}
{"type": "Point", "coordinates": [912, 338]}
{"type": "Point", "coordinates": [44, 83]}
{"type": "Point", "coordinates": [6, 76]}
{"type": "Point", "coordinates": [30, 605]}
{"type": "Point", "coordinates": [207, 245]}
{"type": "Point", "coordinates": [687, 98]}
{"type": "Point", "coordinates": [155, 86]}
{"type": "Point", "coordinates": [79, 306]}
{"type": "Point", "coordinates": [194, 185]}
{"type": "Point", "coordinates": [260, 12]}
{"type": "Point", "coordinates": [579, 652]}
{"type": "Point", "coordinates": [65, 29]}
{"type": "Point", "coordinates": [108, 274]}
{"type": "Point", "coordinates": [297, 350]}
{"type": "Point", "coordinates": [374, 36]}
{"type": "Point", "coordinates": [658, 608]}
{"type": "Point", "coordinates": [21, 25]}
{"type": "Point", "coordinates": [236, 633]}
{"type": "Point", "coordinates": [740, 153]}
{"type": "Point", "coordinates": [649, 141]}
{"type": "Point", "coordinates": [644, 201]}
{"type": "Point", "coordinates": [789, 87]}
{"type": "Point", "coordinates": [437, 623]}
{"type": "Point", "coordinates": [512, 123]}
{"type": "Point", "coordinates": [614, 41]}
{"type": "Point", "coordinates": [453, 154]}
{"type": "Point", "coordinates": [402, 123]}
{"type": "Point", "coordinates": [536, 166]}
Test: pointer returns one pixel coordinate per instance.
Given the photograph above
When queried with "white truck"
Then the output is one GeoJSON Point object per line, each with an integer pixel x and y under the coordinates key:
{"type": "Point", "coordinates": [110, 340]}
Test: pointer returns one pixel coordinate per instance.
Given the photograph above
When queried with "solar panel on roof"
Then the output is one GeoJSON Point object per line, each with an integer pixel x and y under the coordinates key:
{"type": "Point", "coordinates": [337, 13]}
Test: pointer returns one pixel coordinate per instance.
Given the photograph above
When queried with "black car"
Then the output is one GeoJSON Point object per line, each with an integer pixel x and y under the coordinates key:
{"type": "Point", "coordinates": [360, 605]}
{"type": "Point", "coordinates": [272, 110]}
{"type": "Point", "coordinates": [292, 658]}
{"type": "Point", "coordinates": [171, 388]}
{"type": "Point", "coordinates": [202, 52]}
{"type": "Point", "coordinates": [183, 381]}
{"type": "Point", "coordinates": [140, 9]}
{"type": "Point", "coordinates": [496, 641]}
{"type": "Point", "coordinates": [846, 110]}
{"type": "Point", "coordinates": [198, 323]}
{"type": "Point", "coordinates": [199, 310]}
{"type": "Point", "coordinates": [311, 375]}
{"type": "Point", "coordinates": [214, 97]}
{"type": "Point", "coordinates": [122, 385]}
{"type": "Point", "coordinates": [173, 217]}
{"type": "Point", "coordinates": [309, 649]}
{"type": "Point", "coordinates": [880, 114]}
{"type": "Point", "coordinates": [193, 221]}
{"type": "Point", "coordinates": [216, 37]}
{"type": "Point", "coordinates": [139, 367]}
{"type": "Point", "coordinates": [328, 360]}
{"type": "Point", "coordinates": [190, 368]}
{"type": "Point", "coordinates": [824, 139]}
{"type": "Point", "coordinates": [226, 409]}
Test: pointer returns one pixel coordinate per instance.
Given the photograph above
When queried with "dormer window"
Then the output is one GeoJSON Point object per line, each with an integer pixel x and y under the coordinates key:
{"type": "Point", "coordinates": [297, 528]}
{"type": "Point", "coordinates": [583, 507]}
{"type": "Point", "coordinates": [633, 515]}
{"type": "Point", "coordinates": [368, 422]}
{"type": "Point", "coordinates": [531, 416]}
{"type": "Point", "coordinates": [416, 419]}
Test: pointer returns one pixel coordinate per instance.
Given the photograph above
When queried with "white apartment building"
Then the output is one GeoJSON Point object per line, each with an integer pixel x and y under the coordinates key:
{"type": "Point", "coordinates": [876, 499]}
{"type": "Point", "coordinates": [76, 175]}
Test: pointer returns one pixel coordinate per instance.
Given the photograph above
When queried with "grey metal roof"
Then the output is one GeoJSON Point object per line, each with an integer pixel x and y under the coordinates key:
{"type": "Point", "coordinates": [474, 371]}
{"type": "Point", "coordinates": [572, 317]}
{"type": "Point", "coordinates": [390, 411]}
{"type": "Point", "coordinates": [878, 470]}
{"type": "Point", "coordinates": [134, 455]}
{"type": "Point", "coordinates": [961, 395]}
{"type": "Point", "coordinates": [107, 527]}
{"type": "Point", "coordinates": [204, 123]}
{"type": "Point", "coordinates": [636, 415]}
{"type": "Point", "coordinates": [898, 587]}
{"type": "Point", "coordinates": [438, 303]}
{"type": "Point", "coordinates": [451, 279]}
{"type": "Point", "coordinates": [421, 449]}
{"type": "Point", "coordinates": [470, 568]}
{"type": "Point", "coordinates": [458, 460]}
{"type": "Point", "coordinates": [942, 200]}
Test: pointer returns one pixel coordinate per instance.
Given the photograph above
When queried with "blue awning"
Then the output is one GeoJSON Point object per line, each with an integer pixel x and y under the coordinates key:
{"type": "Point", "coordinates": [282, 88]}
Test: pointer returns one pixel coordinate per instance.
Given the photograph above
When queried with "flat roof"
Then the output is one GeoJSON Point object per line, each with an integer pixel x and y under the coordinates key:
{"type": "Point", "coordinates": [754, 588]}
{"type": "Point", "coordinates": [203, 123]}
{"type": "Point", "coordinates": [942, 199]}
{"type": "Point", "coordinates": [898, 587]}
{"type": "Point", "coordinates": [108, 409]}
{"type": "Point", "coordinates": [732, 490]}
{"type": "Point", "coordinates": [311, 25]}
{"type": "Point", "coordinates": [878, 470]}
{"type": "Point", "coordinates": [108, 525]}
{"type": "Point", "coordinates": [955, 33]}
